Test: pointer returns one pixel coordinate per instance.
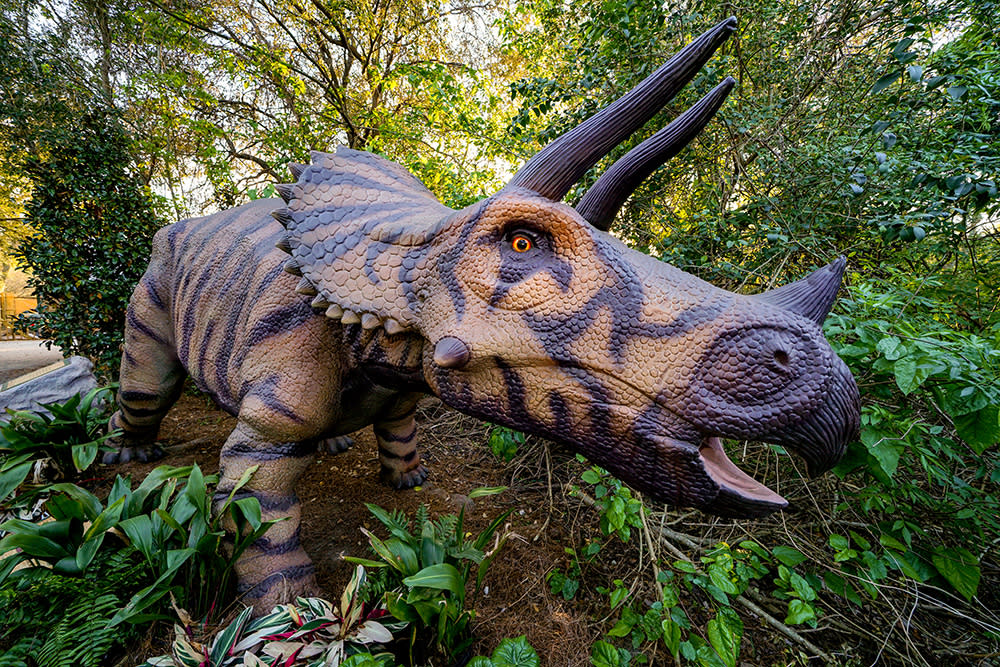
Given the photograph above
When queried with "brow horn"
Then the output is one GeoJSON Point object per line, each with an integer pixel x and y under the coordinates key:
{"type": "Point", "coordinates": [554, 169]}
{"type": "Point", "coordinates": [604, 199]}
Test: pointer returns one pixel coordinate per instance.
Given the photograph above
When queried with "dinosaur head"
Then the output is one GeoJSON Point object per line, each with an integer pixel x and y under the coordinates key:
{"type": "Point", "coordinates": [533, 316]}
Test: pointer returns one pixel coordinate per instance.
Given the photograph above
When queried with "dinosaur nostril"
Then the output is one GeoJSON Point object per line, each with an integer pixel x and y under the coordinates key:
{"type": "Point", "coordinates": [781, 358]}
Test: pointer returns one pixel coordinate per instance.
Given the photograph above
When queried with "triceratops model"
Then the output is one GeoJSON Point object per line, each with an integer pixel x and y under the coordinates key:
{"type": "Point", "coordinates": [518, 309]}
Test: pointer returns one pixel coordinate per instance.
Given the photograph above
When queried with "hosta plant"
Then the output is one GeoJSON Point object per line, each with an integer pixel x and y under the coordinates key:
{"type": "Point", "coordinates": [310, 633]}
{"type": "Point", "coordinates": [58, 445]}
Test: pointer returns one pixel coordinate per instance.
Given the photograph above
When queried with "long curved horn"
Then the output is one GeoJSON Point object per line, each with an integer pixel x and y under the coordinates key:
{"type": "Point", "coordinates": [605, 197]}
{"type": "Point", "coordinates": [812, 296]}
{"type": "Point", "coordinates": [554, 169]}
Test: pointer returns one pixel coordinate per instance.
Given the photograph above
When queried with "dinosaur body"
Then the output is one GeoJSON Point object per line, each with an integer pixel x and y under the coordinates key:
{"type": "Point", "coordinates": [518, 309]}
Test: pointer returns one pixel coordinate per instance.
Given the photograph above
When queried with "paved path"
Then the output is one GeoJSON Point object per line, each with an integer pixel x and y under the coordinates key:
{"type": "Point", "coordinates": [18, 357]}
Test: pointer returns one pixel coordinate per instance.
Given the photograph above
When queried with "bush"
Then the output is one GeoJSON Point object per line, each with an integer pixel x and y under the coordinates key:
{"type": "Point", "coordinates": [93, 224]}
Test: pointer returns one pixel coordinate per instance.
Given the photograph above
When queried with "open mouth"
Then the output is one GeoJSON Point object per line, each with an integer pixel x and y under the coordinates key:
{"type": "Point", "coordinates": [739, 493]}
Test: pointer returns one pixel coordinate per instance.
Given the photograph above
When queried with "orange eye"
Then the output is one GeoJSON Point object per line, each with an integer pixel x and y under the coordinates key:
{"type": "Point", "coordinates": [520, 243]}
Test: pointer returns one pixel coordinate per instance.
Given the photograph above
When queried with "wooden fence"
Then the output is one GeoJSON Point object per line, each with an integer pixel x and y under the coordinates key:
{"type": "Point", "coordinates": [10, 307]}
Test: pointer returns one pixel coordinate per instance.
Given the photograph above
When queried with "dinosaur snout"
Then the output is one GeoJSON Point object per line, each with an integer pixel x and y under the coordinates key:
{"type": "Point", "coordinates": [822, 436]}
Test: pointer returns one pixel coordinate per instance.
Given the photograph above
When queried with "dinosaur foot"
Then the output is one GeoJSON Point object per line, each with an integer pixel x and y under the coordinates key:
{"type": "Point", "coordinates": [141, 453]}
{"type": "Point", "coordinates": [336, 444]}
{"type": "Point", "coordinates": [403, 479]}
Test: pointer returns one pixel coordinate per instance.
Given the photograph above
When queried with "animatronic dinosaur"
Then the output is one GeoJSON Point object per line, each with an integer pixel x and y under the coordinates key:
{"type": "Point", "coordinates": [518, 309]}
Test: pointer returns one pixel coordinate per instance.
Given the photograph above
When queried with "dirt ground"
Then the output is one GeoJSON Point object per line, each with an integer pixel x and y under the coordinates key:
{"type": "Point", "coordinates": [515, 599]}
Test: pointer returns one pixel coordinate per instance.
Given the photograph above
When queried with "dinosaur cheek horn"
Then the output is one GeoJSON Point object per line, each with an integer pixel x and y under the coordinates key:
{"type": "Point", "coordinates": [811, 297]}
{"type": "Point", "coordinates": [554, 170]}
{"type": "Point", "coordinates": [451, 352]}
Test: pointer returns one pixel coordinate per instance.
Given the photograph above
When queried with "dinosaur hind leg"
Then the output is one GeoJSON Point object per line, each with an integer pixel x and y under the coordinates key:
{"type": "Point", "coordinates": [275, 568]}
{"type": "Point", "coordinates": [151, 377]}
{"type": "Point", "coordinates": [396, 435]}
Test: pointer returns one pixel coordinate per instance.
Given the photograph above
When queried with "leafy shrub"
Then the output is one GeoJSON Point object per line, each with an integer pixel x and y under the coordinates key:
{"type": "Point", "coordinates": [68, 440]}
{"type": "Point", "coordinates": [929, 430]}
{"type": "Point", "coordinates": [93, 221]}
{"type": "Point", "coordinates": [53, 619]}
{"type": "Point", "coordinates": [428, 566]}
{"type": "Point", "coordinates": [504, 442]}
{"type": "Point", "coordinates": [166, 520]}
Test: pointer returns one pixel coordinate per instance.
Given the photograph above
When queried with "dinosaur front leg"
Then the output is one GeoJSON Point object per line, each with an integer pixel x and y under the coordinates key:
{"type": "Point", "coordinates": [151, 377]}
{"type": "Point", "coordinates": [275, 568]}
{"type": "Point", "coordinates": [396, 435]}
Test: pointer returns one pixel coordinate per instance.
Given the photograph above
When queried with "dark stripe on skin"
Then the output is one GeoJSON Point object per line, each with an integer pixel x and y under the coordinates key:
{"type": "Point", "coordinates": [391, 437]}
{"type": "Point", "coordinates": [288, 574]}
{"type": "Point", "coordinates": [127, 357]}
{"type": "Point", "coordinates": [408, 273]}
{"type": "Point", "coordinates": [154, 297]}
{"type": "Point", "coordinates": [134, 322]}
{"type": "Point", "coordinates": [278, 321]}
{"type": "Point", "coordinates": [138, 396]}
{"type": "Point", "coordinates": [271, 548]}
{"type": "Point", "coordinates": [625, 300]}
{"type": "Point", "coordinates": [348, 239]}
{"type": "Point", "coordinates": [139, 413]}
{"type": "Point", "coordinates": [375, 250]}
{"type": "Point", "coordinates": [264, 390]}
{"type": "Point", "coordinates": [192, 312]}
{"type": "Point", "coordinates": [449, 260]}
{"type": "Point", "coordinates": [268, 502]}
{"type": "Point", "coordinates": [270, 451]}
{"type": "Point", "coordinates": [406, 458]}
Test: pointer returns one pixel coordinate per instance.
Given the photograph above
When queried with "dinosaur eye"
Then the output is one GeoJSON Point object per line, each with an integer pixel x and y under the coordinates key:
{"type": "Point", "coordinates": [520, 243]}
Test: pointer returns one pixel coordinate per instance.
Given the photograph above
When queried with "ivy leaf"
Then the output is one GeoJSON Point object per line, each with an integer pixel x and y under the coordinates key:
{"type": "Point", "coordinates": [957, 92]}
{"type": "Point", "coordinates": [959, 567]}
{"type": "Point", "coordinates": [915, 72]}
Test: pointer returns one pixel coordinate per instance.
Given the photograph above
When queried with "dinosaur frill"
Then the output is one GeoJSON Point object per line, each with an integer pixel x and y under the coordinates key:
{"type": "Point", "coordinates": [358, 229]}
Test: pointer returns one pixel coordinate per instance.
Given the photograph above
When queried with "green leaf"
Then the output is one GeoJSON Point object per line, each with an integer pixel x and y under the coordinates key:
{"type": "Point", "coordinates": [957, 92]}
{"type": "Point", "coordinates": [980, 429]}
{"type": "Point", "coordinates": [88, 502]}
{"type": "Point", "coordinates": [788, 555]}
{"type": "Point", "coordinates": [891, 348]}
{"type": "Point", "coordinates": [725, 632]}
{"type": "Point", "coordinates": [34, 546]}
{"type": "Point", "coordinates": [516, 652]}
{"type": "Point", "coordinates": [83, 455]}
{"type": "Point", "coordinates": [800, 612]}
{"type": "Point", "coordinates": [226, 639]}
{"type": "Point", "coordinates": [443, 576]}
{"type": "Point", "coordinates": [671, 635]}
{"type": "Point", "coordinates": [603, 654]}
{"type": "Point", "coordinates": [959, 567]}
{"type": "Point", "coordinates": [484, 491]}
{"type": "Point", "coordinates": [13, 478]}
{"type": "Point", "coordinates": [885, 81]}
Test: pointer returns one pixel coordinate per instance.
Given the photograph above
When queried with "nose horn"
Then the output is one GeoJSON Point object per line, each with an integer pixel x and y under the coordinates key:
{"type": "Point", "coordinates": [811, 297]}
